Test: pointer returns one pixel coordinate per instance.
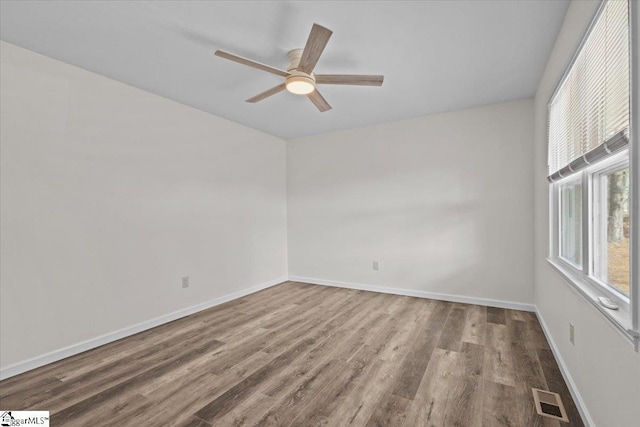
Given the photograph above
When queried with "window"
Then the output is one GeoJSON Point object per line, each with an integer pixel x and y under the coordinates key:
{"type": "Point", "coordinates": [571, 222]}
{"type": "Point", "coordinates": [590, 171]}
{"type": "Point", "coordinates": [611, 228]}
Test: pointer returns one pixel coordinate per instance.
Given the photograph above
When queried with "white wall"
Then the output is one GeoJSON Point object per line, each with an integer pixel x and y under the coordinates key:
{"type": "Point", "coordinates": [111, 194]}
{"type": "Point", "coordinates": [602, 364]}
{"type": "Point", "coordinates": [442, 202]}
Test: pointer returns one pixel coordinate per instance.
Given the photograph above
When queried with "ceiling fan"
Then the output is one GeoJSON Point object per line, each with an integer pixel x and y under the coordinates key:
{"type": "Point", "coordinates": [299, 78]}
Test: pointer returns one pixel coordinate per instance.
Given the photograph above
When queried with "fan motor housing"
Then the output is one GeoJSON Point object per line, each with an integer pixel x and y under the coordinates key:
{"type": "Point", "coordinates": [294, 59]}
{"type": "Point", "coordinates": [298, 82]}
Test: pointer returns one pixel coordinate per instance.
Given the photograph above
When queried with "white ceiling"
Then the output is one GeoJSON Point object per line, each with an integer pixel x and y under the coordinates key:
{"type": "Point", "coordinates": [436, 55]}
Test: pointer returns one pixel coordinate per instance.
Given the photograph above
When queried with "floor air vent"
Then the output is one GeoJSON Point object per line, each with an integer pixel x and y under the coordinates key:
{"type": "Point", "coordinates": [550, 405]}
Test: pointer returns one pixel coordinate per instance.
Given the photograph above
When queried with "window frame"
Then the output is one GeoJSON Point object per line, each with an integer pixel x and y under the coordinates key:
{"type": "Point", "coordinates": [585, 273]}
{"type": "Point", "coordinates": [581, 277]}
{"type": "Point", "coordinates": [627, 318]}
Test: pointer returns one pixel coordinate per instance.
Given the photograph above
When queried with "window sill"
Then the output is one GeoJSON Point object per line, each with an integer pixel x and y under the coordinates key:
{"type": "Point", "coordinates": [621, 318]}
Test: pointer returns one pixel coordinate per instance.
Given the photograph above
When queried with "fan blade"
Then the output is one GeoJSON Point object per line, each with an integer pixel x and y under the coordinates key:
{"type": "Point", "coordinates": [319, 101]}
{"type": "Point", "coordinates": [267, 93]}
{"type": "Point", "coordinates": [250, 63]}
{"type": "Point", "coordinates": [318, 39]}
{"type": "Point", "coordinates": [349, 79]}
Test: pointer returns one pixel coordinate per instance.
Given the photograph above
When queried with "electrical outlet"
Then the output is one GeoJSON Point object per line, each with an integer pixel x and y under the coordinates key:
{"type": "Point", "coordinates": [185, 282]}
{"type": "Point", "coordinates": [376, 265]}
{"type": "Point", "coordinates": [571, 333]}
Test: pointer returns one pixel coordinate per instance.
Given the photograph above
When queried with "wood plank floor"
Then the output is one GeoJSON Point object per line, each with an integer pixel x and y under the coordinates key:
{"type": "Point", "coordinates": [306, 355]}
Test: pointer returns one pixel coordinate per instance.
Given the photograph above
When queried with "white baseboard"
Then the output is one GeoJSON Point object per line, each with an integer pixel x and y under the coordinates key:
{"type": "Point", "coordinates": [54, 356]}
{"type": "Point", "coordinates": [577, 398]}
{"type": "Point", "coordinates": [420, 294]}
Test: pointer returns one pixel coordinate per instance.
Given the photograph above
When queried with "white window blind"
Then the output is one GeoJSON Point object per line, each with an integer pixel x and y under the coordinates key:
{"type": "Point", "coordinates": [589, 113]}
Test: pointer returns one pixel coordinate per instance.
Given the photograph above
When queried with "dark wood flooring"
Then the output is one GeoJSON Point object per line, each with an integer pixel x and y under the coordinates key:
{"type": "Point", "coordinates": [307, 355]}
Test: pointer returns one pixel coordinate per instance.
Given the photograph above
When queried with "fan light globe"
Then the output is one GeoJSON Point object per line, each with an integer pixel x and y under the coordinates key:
{"type": "Point", "coordinates": [300, 85]}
